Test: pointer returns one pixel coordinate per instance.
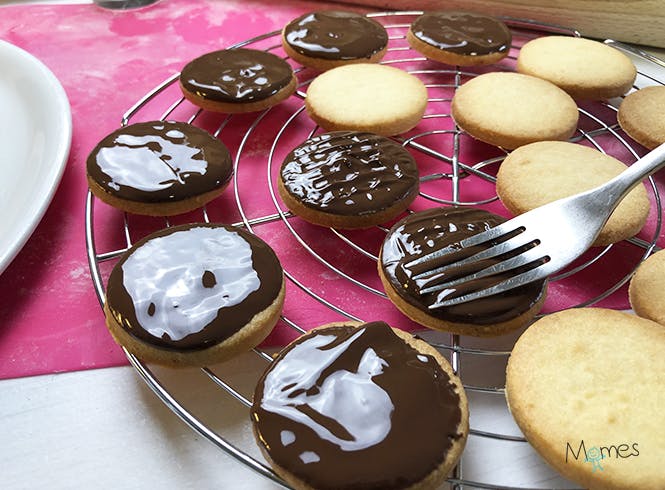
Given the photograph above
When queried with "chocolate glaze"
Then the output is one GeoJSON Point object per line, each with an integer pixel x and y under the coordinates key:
{"type": "Point", "coordinates": [335, 35]}
{"type": "Point", "coordinates": [349, 173]}
{"type": "Point", "coordinates": [159, 161]}
{"type": "Point", "coordinates": [463, 33]}
{"type": "Point", "coordinates": [193, 286]}
{"type": "Point", "coordinates": [236, 75]}
{"type": "Point", "coordinates": [356, 407]}
{"type": "Point", "coordinates": [426, 231]}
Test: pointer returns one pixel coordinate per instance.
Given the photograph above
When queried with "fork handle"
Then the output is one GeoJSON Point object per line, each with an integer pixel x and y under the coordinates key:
{"type": "Point", "coordinates": [616, 189]}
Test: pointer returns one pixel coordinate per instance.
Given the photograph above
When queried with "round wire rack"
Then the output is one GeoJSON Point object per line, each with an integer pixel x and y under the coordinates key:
{"type": "Point", "coordinates": [331, 274]}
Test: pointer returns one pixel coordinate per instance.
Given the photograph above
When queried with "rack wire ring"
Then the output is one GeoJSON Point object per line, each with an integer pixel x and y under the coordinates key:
{"type": "Point", "coordinates": [458, 172]}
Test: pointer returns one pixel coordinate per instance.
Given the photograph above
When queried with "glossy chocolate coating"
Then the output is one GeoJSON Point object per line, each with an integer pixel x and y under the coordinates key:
{"type": "Point", "coordinates": [236, 75]}
{"type": "Point", "coordinates": [335, 35]}
{"type": "Point", "coordinates": [159, 161]}
{"type": "Point", "coordinates": [349, 173]}
{"type": "Point", "coordinates": [462, 33]}
{"type": "Point", "coordinates": [356, 407]}
{"type": "Point", "coordinates": [193, 286]}
{"type": "Point", "coordinates": [426, 231]}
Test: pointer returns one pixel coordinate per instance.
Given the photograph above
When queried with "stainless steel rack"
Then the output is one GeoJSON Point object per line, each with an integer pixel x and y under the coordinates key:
{"type": "Point", "coordinates": [480, 362]}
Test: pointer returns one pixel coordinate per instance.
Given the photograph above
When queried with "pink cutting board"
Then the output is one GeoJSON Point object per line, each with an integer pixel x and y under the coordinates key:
{"type": "Point", "coordinates": [50, 318]}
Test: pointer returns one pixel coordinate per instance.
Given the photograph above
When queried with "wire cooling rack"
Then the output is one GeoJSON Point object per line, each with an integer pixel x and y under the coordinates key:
{"type": "Point", "coordinates": [331, 275]}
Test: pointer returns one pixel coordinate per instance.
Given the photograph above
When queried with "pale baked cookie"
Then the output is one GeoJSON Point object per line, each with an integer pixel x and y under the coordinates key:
{"type": "Point", "coordinates": [585, 387]}
{"type": "Point", "coordinates": [586, 69]}
{"type": "Point", "coordinates": [328, 38]}
{"type": "Point", "coordinates": [647, 287]}
{"type": "Point", "coordinates": [423, 232]}
{"type": "Point", "coordinates": [354, 406]}
{"type": "Point", "coordinates": [158, 168]}
{"type": "Point", "coordinates": [542, 172]}
{"type": "Point", "coordinates": [366, 97]}
{"type": "Point", "coordinates": [194, 295]}
{"type": "Point", "coordinates": [348, 179]}
{"type": "Point", "coordinates": [460, 38]}
{"type": "Point", "coordinates": [237, 80]}
{"type": "Point", "coordinates": [510, 110]}
{"type": "Point", "coordinates": [642, 115]}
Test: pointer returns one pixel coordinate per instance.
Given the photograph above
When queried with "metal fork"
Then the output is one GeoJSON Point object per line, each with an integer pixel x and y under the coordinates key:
{"type": "Point", "coordinates": [529, 247]}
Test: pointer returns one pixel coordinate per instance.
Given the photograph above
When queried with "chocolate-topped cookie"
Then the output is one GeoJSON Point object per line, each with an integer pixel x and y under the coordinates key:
{"type": "Point", "coordinates": [348, 179]}
{"type": "Point", "coordinates": [423, 232]}
{"type": "Point", "coordinates": [354, 406]}
{"type": "Point", "coordinates": [329, 38]}
{"type": "Point", "coordinates": [158, 168]}
{"type": "Point", "coordinates": [237, 80]}
{"type": "Point", "coordinates": [194, 294]}
{"type": "Point", "coordinates": [460, 38]}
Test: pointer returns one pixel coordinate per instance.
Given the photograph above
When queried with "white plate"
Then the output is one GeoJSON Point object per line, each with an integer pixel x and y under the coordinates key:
{"type": "Point", "coordinates": [35, 136]}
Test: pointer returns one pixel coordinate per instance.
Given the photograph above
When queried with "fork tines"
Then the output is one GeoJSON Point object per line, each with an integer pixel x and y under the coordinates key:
{"type": "Point", "coordinates": [497, 260]}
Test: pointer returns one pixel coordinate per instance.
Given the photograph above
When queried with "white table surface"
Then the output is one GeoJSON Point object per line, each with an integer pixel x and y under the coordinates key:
{"type": "Point", "coordinates": [104, 429]}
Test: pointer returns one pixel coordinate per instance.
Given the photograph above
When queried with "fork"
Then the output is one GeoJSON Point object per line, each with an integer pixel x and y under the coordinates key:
{"type": "Point", "coordinates": [529, 247]}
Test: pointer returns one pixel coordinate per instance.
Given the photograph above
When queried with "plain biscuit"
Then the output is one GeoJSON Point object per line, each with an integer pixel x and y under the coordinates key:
{"type": "Point", "coordinates": [586, 69]}
{"type": "Point", "coordinates": [585, 386]}
{"type": "Point", "coordinates": [366, 97]}
{"type": "Point", "coordinates": [642, 115]}
{"type": "Point", "coordinates": [647, 286]}
{"type": "Point", "coordinates": [541, 172]}
{"type": "Point", "coordinates": [510, 110]}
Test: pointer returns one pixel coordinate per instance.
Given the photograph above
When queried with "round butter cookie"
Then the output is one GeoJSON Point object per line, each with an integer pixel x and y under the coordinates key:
{"type": "Point", "coordinates": [538, 173]}
{"type": "Point", "coordinates": [328, 38]}
{"type": "Point", "coordinates": [194, 295]}
{"type": "Point", "coordinates": [642, 115]}
{"type": "Point", "coordinates": [585, 386]}
{"type": "Point", "coordinates": [423, 232]}
{"type": "Point", "coordinates": [366, 97]}
{"type": "Point", "coordinates": [460, 38]}
{"type": "Point", "coordinates": [348, 179]}
{"type": "Point", "coordinates": [354, 406]}
{"type": "Point", "coordinates": [647, 286]}
{"type": "Point", "coordinates": [237, 80]}
{"type": "Point", "coordinates": [586, 69]}
{"type": "Point", "coordinates": [158, 168]}
{"type": "Point", "coordinates": [510, 110]}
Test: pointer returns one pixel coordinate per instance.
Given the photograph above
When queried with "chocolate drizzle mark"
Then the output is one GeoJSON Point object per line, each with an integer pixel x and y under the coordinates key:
{"type": "Point", "coordinates": [463, 33]}
{"type": "Point", "coordinates": [236, 75]}
{"type": "Point", "coordinates": [159, 161]}
{"type": "Point", "coordinates": [349, 173]}
{"type": "Point", "coordinates": [426, 231]}
{"type": "Point", "coordinates": [335, 35]}
{"type": "Point", "coordinates": [192, 286]}
{"type": "Point", "coordinates": [356, 407]}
